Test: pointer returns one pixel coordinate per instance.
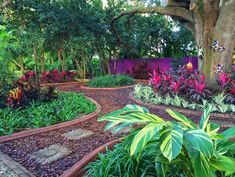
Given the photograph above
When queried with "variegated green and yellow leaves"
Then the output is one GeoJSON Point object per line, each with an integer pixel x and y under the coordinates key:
{"type": "Point", "coordinates": [171, 141]}
{"type": "Point", "coordinates": [130, 115]}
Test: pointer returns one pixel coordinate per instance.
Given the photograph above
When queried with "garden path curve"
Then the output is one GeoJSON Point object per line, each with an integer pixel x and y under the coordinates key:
{"type": "Point", "coordinates": [54, 152]}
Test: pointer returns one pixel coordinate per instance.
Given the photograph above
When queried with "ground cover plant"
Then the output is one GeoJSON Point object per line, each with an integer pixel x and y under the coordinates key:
{"type": "Point", "coordinates": [111, 81]}
{"type": "Point", "coordinates": [36, 114]}
{"type": "Point", "coordinates": [162, 148]}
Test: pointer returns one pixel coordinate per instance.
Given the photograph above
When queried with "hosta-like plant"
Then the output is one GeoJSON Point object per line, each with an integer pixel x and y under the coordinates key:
{"type": "Point", "coordinates": [197, 150]}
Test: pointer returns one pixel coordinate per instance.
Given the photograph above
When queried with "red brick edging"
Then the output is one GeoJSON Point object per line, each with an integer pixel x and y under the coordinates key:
{"type": "Point", "coordinates": [108, 88]}
{"type": "Point", "coordinates": [27, 133]}
{"type": "Point", "coordinates": [78, 169]}
{"type": "Point", "coordinates": [181, 110]}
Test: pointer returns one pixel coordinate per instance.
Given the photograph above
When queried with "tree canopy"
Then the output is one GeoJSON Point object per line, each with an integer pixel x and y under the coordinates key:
{"type": "Point", "coordinates": [70, 34]}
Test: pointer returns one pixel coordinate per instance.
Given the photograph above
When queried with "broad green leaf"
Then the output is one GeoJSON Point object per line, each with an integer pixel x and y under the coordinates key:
{"type": "Point", "coordinates": [223, 163]}
{"type": "Point", "coordinates": [144, 136]}
{"type": "Point", "coordinates": [205, 117]}
{"type": "Point", "coordinates": [171, 141]}
{"type": "Point", "coordinates": [117, 128]}
{"type": "Point", "coordinates": [200, 163]}
{"type": "Point", "coordinates": [136, 108]}
{"type": "Point", "coordinates": [126, 110]}
{"type": "Point", "coordinates": [136, 117]}
{"type": "Point", "coordinates": [229, 133]}
{"type": "Point", "coordinates": [199, 140]}
{"type": "Point", "coordinates": [187, 122]}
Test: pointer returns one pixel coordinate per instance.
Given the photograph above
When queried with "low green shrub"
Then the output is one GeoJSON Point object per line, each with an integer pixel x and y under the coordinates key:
{"type": "Point", "coordinates": [147, 95]}
{"type": "Point", "coordinates": [111, 81]}
{"type": "Point", "coordinates": [166, 149]}
{"type": "Point", "coordinates": [38, 114]}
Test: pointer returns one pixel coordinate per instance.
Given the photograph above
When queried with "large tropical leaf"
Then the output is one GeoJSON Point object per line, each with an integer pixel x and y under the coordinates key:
{"type": "Point", "coordinates": [223, 163]}
{"type": "Point", "coordinates": [144, 136]}
{"type": "Point", "coordinates": [199, 140]}
{"type": "Point", "coordinates": [187, 122]}
{"type": "Point", "coordinates": [127, 109]}
{"type": "Point", "coordinates": [200, 163]}
{"type": "Point", "coordinates": [205, 117]}
{"type": "Point", "coordinates": [229, 133]}
{"type": "Point", "coordinates": [137, 117]}
{"type": "Point", "coordinates": [171, 141]}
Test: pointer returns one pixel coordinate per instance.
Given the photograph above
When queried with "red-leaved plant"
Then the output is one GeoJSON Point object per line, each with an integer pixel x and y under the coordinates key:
{"type": "Point", "coordinates": [57, 76]}
{"type": "Point", "coordinates": [224, 80]}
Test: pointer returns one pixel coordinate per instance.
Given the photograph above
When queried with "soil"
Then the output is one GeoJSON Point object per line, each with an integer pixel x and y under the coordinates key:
{"type": "Point", "coordinates": [20, 150]}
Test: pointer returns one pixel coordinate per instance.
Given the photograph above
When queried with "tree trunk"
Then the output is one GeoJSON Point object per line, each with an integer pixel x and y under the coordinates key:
{"type": "Point", "coordinates": [215, 23]}
{"type": "Point", "coordinates": [42, 58]}
{"type": "Point", "coordinates": [60, 55]}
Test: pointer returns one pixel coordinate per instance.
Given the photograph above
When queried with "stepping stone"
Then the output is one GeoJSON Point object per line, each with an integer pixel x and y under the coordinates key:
{"type": "Point", "coordinates": [50, 154]}
{"type": "Point", "coordinates": [10, 168]}
{"type": "Point", "coordinates": [77, 134]}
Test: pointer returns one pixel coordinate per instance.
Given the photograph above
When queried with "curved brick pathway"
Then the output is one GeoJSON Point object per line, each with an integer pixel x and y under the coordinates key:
{"type": "Point", "coordinates": [54, 152]}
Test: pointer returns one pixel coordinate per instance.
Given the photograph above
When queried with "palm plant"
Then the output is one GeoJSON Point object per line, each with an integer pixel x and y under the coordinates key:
{"type": "Point", "coordinates": [197, 150]}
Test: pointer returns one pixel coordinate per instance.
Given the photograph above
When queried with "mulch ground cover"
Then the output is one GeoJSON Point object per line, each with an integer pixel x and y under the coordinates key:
{"type": "Point", "coordinates": [20, 150]}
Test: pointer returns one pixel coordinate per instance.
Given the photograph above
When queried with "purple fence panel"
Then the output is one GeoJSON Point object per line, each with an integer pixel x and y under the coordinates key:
{"type": "Point", "coordinates": [128, 66]}
{"type": "Point", "coordinates": [163, 64]}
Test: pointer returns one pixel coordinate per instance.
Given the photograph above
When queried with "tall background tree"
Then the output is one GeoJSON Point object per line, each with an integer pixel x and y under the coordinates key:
{"type": "Point", "coordinates": [77, 35]}
{"type": "Point", "coordinates": [208, 21]}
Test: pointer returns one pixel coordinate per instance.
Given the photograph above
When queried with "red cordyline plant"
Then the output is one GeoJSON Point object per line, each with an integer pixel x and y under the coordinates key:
{"type": "Point", "coordinates": [230, 96]}
{"type": "Point", "coordinates": [175, 87]}
{"type": "Point", "coordinates": [199, 91]}
{"type": "Point", "coordinates": [56, 76]}
{"type": "Point", "coordinates": [224, 80]}
{"type": "Point", "coordinates": [155, 80]}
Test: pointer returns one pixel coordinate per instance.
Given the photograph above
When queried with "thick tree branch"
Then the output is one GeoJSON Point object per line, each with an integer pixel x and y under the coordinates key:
{"type": "Point", "coordinates": [5, 4]}
{"type": "Point", "coordinates": [180, 12]}
{"type": "Point", "coordinates": [171, 11]}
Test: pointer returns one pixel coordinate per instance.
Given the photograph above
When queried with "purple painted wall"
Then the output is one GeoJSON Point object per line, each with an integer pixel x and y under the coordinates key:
{"type": "Point", "coordinates": [128, 66]}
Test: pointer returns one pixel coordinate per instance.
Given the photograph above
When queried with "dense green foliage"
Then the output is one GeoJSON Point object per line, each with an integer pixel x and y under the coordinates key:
{"type": "Point", "coordinates": [69, 35]}
{"type": "Point", "coordinates": [177, 148]}
{"type": "Point", "coordinates": [148, 95]}
{"type": "Point", "coordinates": [40, 114]}
{"type": "Point", "coordinates": [111, 81]}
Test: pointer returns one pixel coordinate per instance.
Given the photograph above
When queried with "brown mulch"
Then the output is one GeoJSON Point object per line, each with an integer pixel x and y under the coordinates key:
{"type": "Point", "coordinates": [20, 150]}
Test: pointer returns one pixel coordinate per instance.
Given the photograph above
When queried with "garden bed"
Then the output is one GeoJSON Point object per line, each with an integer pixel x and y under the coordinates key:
{"type": "Point", "coordinates": [227, 119]}
{"type": "Point", "coordinates": [66, 107]}
{"type": "Point", "coordinates": [35, 131]}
